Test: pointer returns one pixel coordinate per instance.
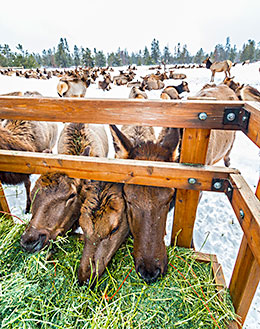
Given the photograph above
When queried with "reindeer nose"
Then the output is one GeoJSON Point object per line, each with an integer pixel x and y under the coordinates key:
{"type": "Point", "coordinates": [148, 276]}
{"type": "Point", "coordinates": [33, 244]}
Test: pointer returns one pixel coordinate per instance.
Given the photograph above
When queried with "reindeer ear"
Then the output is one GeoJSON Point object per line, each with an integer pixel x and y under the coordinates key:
{"type": "Point", "coordinates": [86, 152]}
{"type": "Point", "coordinates": [121, 143]}
{"type": "Point", "coordinates": [169, 138]}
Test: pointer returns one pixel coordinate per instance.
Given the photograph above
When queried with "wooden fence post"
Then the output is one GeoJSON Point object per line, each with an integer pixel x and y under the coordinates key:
{"type": "Point", "coordinates": [245, 277]}
{"type": "Point", "coordinates": [194, 150]}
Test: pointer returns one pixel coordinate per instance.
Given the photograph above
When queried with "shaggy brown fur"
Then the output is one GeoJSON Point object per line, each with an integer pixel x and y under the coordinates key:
{"type": "Point", "coordinates": [32, 136]}
{"type": "Point", "coordinates": [103, 220]}
{"type": "Point", "coordinates": [79, 138]}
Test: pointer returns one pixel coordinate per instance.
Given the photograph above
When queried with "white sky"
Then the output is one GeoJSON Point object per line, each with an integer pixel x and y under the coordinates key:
{"type": "Point", "coordinates": [109, 24]}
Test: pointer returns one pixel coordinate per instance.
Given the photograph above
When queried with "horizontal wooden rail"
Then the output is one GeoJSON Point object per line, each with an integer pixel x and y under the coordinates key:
{"type": "Point", "coordinates": [152, 173]}
{"type": "Point", "coordinates": [158, 113]}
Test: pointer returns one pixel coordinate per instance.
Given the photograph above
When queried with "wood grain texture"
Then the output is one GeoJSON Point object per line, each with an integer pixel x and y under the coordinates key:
{"type": "Point", "coordinates": [158, 113]}
{"type": "Point", "coordinates": [245, 277]}
{"type": "Point", "coordinates": [194, 150]}
{"type": "Point", "coordinates": [114, 170]}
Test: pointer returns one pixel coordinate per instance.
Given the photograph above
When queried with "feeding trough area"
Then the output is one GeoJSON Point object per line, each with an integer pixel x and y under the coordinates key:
{"type": "Point", "coordinates": [189, 177]}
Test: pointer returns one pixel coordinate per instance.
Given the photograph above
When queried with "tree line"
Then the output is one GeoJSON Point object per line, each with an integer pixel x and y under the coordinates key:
{"type": "Point", "coordinates": [61, 56]}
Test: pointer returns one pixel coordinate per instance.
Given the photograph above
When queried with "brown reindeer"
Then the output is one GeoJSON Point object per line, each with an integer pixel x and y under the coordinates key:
{"type": "Point", "coordinates": [224, 66]}
{"type": "Point", "coordinates": [137, 93]}
{"type": "Point", "coordinates": [177, 76]}
{"type": "Point", "coordinates": [104, 223]}
{"type": "Point", "coordinates": [173, 92]}
{"type": "Point", "coordinates": [73, 86]}
{"type": "Point", "coordinates": [231, 83]}
{"type": "Point", "coordinates": [32, 136]}
{"type": "Point", "coordinates": [243, 92]}
{"type": "Point", "coordinates": [58, 198]}
{"type": "Point", "coordinates": [105, 84]}
{"type": "Point", "coordinates": [248, 93]}
{"type": "Point", "coordinates": [152, 83]}
{"type": "Point", "coordinates": [147, 206]}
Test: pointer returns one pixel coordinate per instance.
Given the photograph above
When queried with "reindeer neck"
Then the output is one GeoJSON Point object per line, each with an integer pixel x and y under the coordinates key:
{"type": "Point", "coordinates": [208, 64]}
{"type": "Point", "coordinates": [179, 88]}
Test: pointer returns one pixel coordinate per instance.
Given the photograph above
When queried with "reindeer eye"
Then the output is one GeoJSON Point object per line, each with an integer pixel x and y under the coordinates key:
{"type": "Point", "coordinates": [114, 230]}
{"type": "Point", "coordinates": [72, 196]}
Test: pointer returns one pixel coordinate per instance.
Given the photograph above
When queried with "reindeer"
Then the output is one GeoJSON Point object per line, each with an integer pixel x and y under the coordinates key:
{"type": "Point", "coordinates": [73, 87]}
{"type": "Point", "coordinates": [243, 92]}
{"type": "Point", "coordinates": [31, 136]}
{"type": "Point", "coordinates": [57, 197]}
{"type": "Point", "coordinates": [173, 92]}
{"type": "Point", "coordinates": [137, 93]}
{"type": "Point", "coordinates": [218, 67]}
{"type": "Point", "coordinates": [105, 84]}
{"type": "Point", "coordinates": [147, 206]}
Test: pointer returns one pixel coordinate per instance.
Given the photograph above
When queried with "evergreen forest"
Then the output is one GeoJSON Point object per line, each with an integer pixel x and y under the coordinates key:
{"type": "Point", "coordinates": [62, 56]}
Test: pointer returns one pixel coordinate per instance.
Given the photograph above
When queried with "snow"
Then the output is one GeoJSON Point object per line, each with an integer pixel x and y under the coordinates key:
{"type": "Point", "coordinates": [216, 228]}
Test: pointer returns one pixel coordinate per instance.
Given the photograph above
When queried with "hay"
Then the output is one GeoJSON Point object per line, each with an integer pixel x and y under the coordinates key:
{"type": "Point", "coordinates": [41, 291]}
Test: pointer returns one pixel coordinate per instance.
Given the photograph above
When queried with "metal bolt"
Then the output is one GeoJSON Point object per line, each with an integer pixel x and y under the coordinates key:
{"type": "Point", "coordinates": [217, 185]}
{"type": "Point", "coordinates": [231, 116]}
{"type": "Point", "coordinates": [203, 116]}
{"type": "Point", "coordinates": [192, 181]}
{"type": "Point", "coordinates": [241, 213]}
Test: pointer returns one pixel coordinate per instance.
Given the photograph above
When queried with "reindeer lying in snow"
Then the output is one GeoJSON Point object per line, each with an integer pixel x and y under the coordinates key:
{"type": "Point", "coordinates": [173, 92]}
{"type": "Point", "coordinates": [105, 84]}
{"type": "Point", "coordinates": [137, 92]}
{"type": "Point", "coordinates": [243, 92]}
{"type": "Point", "coordinates": [218, 67]}
{"type": "Point", "coordinates": [73, 87]}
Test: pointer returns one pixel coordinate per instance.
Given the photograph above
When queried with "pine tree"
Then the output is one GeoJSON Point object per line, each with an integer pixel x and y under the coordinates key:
{"type": "Point", "coordinates": [199, 57]}
{"type": "Point", "coordinates": [248, 51]}
{"type": "Point", "coordinates": [147, 59]}
{"type": "Point", "coordinates": [87, 58]}
{"type": "Point", "coordinates": [167, 57]}
{"type": "Point", "coordinates": [155, 51]}
{"type": "Point", "coordinates": [76, 56]}
{"type": "Point", "coordinates": [100, 58]}
{"type": "Point", "coordinates": [62, 56]}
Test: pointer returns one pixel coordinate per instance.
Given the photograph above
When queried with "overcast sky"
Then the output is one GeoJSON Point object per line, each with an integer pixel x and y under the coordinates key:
{"type": "Point", "coordinates": [109, 24]}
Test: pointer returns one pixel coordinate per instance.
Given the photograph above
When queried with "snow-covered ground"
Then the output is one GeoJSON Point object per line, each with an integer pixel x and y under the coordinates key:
{"type": "Point", "coordinates": [216, 229]}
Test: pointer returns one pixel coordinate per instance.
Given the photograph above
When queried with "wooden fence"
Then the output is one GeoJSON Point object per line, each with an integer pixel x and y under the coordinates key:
{"type": "Point", "coordinates": [189, 176]}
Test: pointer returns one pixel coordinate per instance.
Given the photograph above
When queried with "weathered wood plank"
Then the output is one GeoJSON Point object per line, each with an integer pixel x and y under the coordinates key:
{"type": "Point", "coordinates": [194, 150]}
{"type": "Point", "coordinates": [253, 131]}
{"type": "Point", "coordinates": [247, 209]}
{"type": "Point", "coordinates": [114, 170]}
{"type": "Point", "coordinates": [245, 277]}
{"type": "Point", "coordinates": [176, 113]}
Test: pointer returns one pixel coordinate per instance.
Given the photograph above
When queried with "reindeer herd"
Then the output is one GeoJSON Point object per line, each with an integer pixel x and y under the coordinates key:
{"type": "Point", "coordinates": [108, 212]}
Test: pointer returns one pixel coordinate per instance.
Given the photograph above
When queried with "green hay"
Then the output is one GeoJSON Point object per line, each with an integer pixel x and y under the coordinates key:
{"type": "Point", "coordinates": [41, 291]}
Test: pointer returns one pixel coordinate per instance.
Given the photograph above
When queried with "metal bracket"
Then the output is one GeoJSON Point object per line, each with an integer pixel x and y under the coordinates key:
{"type": "Point", "coordinates": [236, 116]}
{"type": "Point", "coordinates": [222, 185]}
